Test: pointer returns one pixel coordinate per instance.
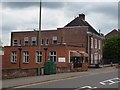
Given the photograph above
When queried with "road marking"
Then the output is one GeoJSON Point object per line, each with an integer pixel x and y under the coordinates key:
{"type": "Point", "coordinates": [54, 80]}
{"type": "Point", "coordinates": [110, 81]}
{"type": "Point", "coordinates": [86, 88]}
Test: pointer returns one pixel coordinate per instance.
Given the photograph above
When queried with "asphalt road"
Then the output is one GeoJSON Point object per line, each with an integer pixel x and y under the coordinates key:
{"type": "Point", "coordinates": [108, 79]}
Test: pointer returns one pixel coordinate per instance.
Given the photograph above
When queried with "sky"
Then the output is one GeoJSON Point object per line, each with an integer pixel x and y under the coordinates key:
{"type": "Point", "coordinates": [21, 16]}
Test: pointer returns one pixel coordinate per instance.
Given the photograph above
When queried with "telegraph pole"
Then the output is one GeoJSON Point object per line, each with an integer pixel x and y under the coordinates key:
{"type": "Point", "coordinates": [39, 38]}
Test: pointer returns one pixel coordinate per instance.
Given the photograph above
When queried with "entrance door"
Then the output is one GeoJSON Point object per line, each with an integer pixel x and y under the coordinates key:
{"type": "Point", "coordinates": [96, 58]}
{"type": "Point", "coordinates": [77, 61]}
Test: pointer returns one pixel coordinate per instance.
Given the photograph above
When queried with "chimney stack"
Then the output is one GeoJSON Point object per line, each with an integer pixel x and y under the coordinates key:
{"type": "Point", "coordinates": [82, 16]}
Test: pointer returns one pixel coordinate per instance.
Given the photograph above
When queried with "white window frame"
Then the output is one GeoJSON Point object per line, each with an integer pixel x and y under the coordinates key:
{"type": "Point", "coordinates": [15, 43]}
{"type": "Point", "coordinates": [92, 59]}
{"type": "Point", "coordinates": [91, 42]}
{"type": "Point", "coordinates": [42, 41]}
{"type": "Point", "coordinates": [95, 43]}
{"type": "Point", "coordinates": [53, 55]}
{"type": "Point", "coordinates": [25, 57]}
{"type": "Point", "coordinates": [26, 39]}
{"type": "Point", "coordinates": [38, 56]}
{"type": "Point", "coordinates": [34, 39]}
{"type": "Point", "coordinates": [46, 42]}
{"type": "Point", "coordinates": [54, 39]}
{"type": "Point", "coordinates": [13, 57]}
{"type": "Point", "coordinates": [99, 44]}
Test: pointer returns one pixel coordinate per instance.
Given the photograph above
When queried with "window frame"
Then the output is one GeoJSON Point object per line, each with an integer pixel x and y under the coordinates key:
{"type": "Point", "coordinates": [91, 42]}
{"type": "Point", "coordinates": [53, 56]}
{"type": "Point", "coordinates": [99, 44]}
{"type": "Point", "coordinates": [13, 57]}
{"type": "Point", "coordinates": [25, 56]}
{"type": "Point", "coordinates": [46, 41]}
{"type": "Point", "coordinates": [33, 39]}
{"type": "Point", "coordinates": [15, 43]}
{"type": "Point", "coordinates": [26, 39]}
{"type": "Point", "coordinates": [95, 43]}
{"type": "Point", "coordinates": [54, 40]}
{"type": "Point", "coordinates": [42, 41]}
{"type": "Point", "coordinates": [38, 54]}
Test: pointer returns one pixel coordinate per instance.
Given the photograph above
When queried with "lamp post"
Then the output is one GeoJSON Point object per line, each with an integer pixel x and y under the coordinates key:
{"type": "Point", "coordinates": [20, 49]}
{"type": "Point", "coordinates": [45, 53]}
{"type": "Point", "coordinates": [39, 38]}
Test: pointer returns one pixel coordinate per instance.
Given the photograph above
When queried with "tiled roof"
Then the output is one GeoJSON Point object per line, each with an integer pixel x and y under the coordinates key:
{"type": "Point", "coordinates": [80, 22]}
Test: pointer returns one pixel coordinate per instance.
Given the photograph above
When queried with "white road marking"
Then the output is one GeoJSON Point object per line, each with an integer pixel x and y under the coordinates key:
{"type": "Point", "coordinates": [110, 81]}
{"type": "Point", "coordinates": [88, 87]}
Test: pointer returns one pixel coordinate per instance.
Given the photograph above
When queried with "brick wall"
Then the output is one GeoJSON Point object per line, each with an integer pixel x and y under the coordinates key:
{"type": "Point", "coordinates": [16, 73]}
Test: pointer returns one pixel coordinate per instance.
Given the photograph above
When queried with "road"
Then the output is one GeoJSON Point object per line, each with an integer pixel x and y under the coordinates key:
{"type": "Point", "coordinates": [102, 79]}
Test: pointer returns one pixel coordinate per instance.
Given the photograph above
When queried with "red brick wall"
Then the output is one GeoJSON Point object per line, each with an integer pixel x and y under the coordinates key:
{"type": "Point", "coordinates": [6, 58]}
{"type": "Point", "coordinates": [74, 36]}
{"type": "Point", "coordinates": [20, 36]}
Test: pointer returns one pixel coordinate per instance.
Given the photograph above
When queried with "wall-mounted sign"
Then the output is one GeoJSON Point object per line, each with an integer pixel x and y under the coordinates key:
{"type": "Point", "coordinates": [61, 59]}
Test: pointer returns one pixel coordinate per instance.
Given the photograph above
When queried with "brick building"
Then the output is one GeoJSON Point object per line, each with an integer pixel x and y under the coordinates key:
{"type": "Point", "coordinates": [77, 42]}
{"type": "Point", "coordinates": [112, 33]}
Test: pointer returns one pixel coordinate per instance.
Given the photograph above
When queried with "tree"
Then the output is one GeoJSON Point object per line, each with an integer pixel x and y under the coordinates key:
{"type": "Point", "coordinates": [111, 50]}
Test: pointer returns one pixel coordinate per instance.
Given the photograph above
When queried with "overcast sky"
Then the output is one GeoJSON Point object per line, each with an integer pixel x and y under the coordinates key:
{"type": "Point", "coordinates": [19, 16]}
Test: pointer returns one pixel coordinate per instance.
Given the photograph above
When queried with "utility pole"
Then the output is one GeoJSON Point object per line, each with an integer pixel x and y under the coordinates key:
{"type": "Point", "coordinates": [39, 38]}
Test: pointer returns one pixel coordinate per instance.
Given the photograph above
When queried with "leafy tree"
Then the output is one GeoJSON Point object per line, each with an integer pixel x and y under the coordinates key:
{"type": "Point", "coordinates": [111, 50]}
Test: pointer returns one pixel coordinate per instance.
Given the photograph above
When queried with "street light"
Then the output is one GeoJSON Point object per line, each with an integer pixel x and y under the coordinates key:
{"type": "Point", "coordinates": [39, 38]}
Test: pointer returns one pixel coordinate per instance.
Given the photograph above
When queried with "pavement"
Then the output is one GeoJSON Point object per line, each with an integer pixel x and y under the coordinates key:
{"type": "Point", "coordinates": [43, 78]}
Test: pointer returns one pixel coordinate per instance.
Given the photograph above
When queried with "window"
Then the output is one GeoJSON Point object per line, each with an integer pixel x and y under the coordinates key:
{"type": "Point", "coordinates": [91, 42]}
{"type": "Point", "coordinates": [26, 57]}
{"type": "Point", "coordinates": [99, 44]}
{"type": "Point", "coordinates": [54, 39]}
{"type": "Point", "coordinates": [42, 41]}
{"type": "Point", "coordinates": [13, 57]}
{"type": "Point", "coordinates": [95, 43]}
{"type": "Point", "coordinates": [15, 42]}
{"type": "Point", "coordinates": [53, 56]}
{"type": "Point", "coordinates": [46, 42]}
{"type": "Point", "coordinates": [33, 41]}
{"type": "Point", "coordinates": [38, 56]}
{"type": "Point", "coordinates": [26, 40]}
{"type": "Point", "coordinates": [91, 58]}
